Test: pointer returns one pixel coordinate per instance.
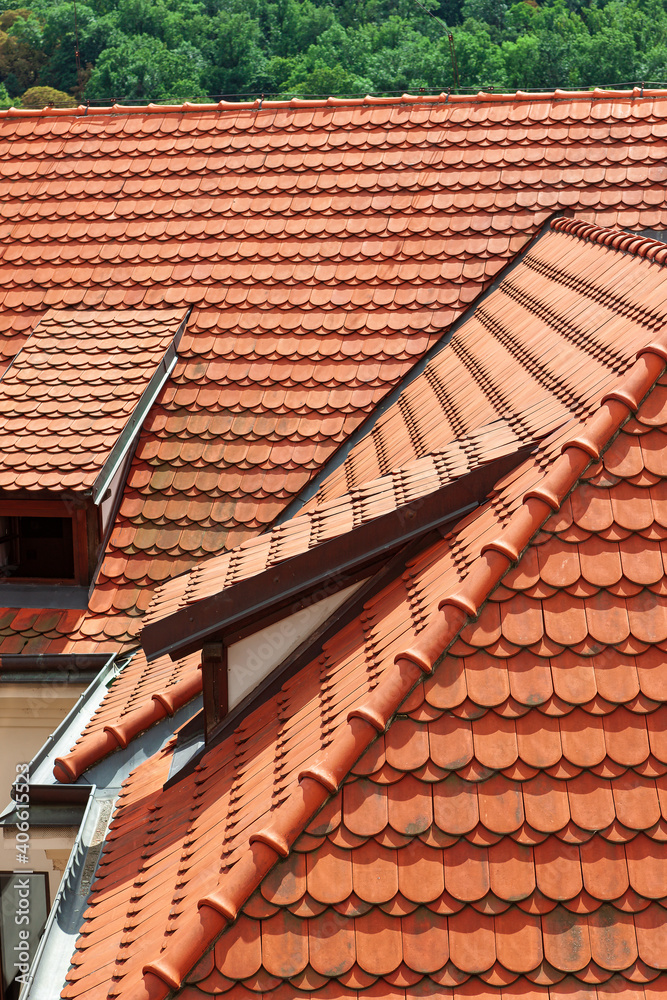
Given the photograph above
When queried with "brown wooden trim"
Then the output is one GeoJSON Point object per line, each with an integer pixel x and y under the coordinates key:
{"type": "Point", "coordinates": [214, 685]}
{"type": "Point", "coordinates": [337, 559]}
{"type": "Point", "coordinates": [300, 657]}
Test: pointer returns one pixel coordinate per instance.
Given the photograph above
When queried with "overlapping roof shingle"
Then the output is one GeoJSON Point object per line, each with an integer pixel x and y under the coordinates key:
{"type": "Point", "coordinates": [324, 247]}
{"type": "Point", "coordinates": [496, 382]}
{"type": "Point", "coordinates": [503, 834]}
{"type": "Point", "coordinates": [72, 389]}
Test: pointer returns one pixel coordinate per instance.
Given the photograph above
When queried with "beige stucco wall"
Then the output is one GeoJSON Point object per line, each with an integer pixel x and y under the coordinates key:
{"type": "Point", "coordinates": [49, 851]}
{"type": "Point", "coordinates": [29, 713]}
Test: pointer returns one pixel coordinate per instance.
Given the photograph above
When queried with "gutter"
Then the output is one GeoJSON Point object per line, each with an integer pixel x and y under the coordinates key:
{"type": "Point", "coordinates": [56, 947]}
{"type": "Point", "coordinates": [66, 663]}
{"type": "Point", "coordinates": [42, 785]}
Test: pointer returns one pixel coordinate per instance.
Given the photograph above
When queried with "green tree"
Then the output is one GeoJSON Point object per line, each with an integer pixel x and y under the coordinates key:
{"type": "Point", "coordinates": [45, 97]}
{"type": "Point", "coordinates": [142, 68]}
{"type": "Point", "coordinates": [237, 63]}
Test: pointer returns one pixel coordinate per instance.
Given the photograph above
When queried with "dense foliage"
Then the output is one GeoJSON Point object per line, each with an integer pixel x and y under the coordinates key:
{"type": "Point", "coordinates": [161, 50]}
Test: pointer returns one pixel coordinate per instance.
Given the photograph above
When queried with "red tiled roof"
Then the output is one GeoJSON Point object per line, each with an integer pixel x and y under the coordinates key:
{"type": "Point", "coordinates": [496, 382]}
{"type": "Point", "coordinates": [71, 390]}
{"type": "Point", "coordinates": [494, 369]}
{"type": "Point", "coordinates": [324, 247]}
{"type": "Point", "coordinates": [524, 357]}
{"type": "Point", "coordinates": [413, 481]}
{"type": "Point", "coordinates": [139, 697]}
{"type": "Point", "coordinates": [505, 830]}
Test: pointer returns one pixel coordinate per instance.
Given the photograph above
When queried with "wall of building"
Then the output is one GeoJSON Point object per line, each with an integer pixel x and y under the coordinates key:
{"type": "Point", "coordinates": [29, 713]}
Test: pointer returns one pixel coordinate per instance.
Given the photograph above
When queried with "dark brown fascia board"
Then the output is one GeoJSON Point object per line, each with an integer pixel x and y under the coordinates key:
{"type": "Point", "coordinates": [304, 654]}
{"type": "Point", "coordinates": [74, 795]}
{"type": "Point", "coordinates": [67, 663]}
{"type": "Point", "coordinates": [327, 566]}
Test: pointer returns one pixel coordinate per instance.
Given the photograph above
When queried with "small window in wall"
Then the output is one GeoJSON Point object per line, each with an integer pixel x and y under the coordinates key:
{"type": "Point", "coordinates": [36, 548]}
{"type": "Point", "coordinates": [49, 544]}
{"type": "Point", "coordinates": [23, 912]}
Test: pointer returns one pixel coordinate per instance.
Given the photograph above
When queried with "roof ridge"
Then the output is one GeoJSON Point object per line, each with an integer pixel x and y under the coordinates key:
{"type": "Point", "coordinates": [70, 766]}
{"type": "Point", "coordinates": [82, 110]}
{"type": "Point", "coordinates": [165, 702]}
{"type": "Point", "coordinates": [316, 783]}
{"type": "Point", "coordinates": [617, 239]}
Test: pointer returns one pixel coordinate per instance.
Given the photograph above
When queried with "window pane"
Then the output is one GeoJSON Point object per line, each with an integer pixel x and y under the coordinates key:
{"type": "Point", "coordinates": [23, 916]}
{"type": "Point", "coordinates": [44, 548]}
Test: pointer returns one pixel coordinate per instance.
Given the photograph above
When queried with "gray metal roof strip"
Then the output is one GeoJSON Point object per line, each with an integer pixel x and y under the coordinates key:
{"type": "Point", "coordinates": [52, 958]}
{"type": "Point", "coordinates": [67, 733]}
{"type": "Point", "coordinates": [366, 426]}
{"type": "Point", "coordinates": [133, 426]}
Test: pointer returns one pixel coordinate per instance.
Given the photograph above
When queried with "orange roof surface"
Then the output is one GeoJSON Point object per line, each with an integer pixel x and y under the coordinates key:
{"type": "Point", "coordinates": [493, 384]}
{"type": "Point", "coordinates": [72, 388]}
{"type": "Point", "coordinates": [331, 519]}
{"type": "Point", "coordinates": [323, 246]}
{"type": "Point", "coordinates": [467, 788]}
{"type": "Point", "coordinates": [521, 365]}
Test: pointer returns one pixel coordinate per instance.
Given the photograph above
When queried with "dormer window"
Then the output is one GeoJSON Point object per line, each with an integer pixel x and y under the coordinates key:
{"type": "Point", "coordinates": [72, 403]}
{"type": "Point", "coordinates": [35, 547]}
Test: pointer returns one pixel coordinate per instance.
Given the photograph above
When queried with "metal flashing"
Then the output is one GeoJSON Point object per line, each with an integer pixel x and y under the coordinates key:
{"type": "Point", "coordinates": [70, 663]}
{"type": "Point", "coordinates": [69, 730]}
{"type": "Point", "coordinates": [52, 959]}
{"type": "Point", "coordinates": [129, 433]}
{"type": "Point", "coordinates": [99, 788]}
{"type": "Point", "coordinates": [41, 595]}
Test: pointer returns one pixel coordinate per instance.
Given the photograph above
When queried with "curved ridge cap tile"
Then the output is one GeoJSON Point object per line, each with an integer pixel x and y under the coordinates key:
{"type": "Point", "coordinates": [618, 402]}
{"type": "Point", "coordinates": [618, 239]}
{"type": "Point", "coordinates": [216, 911]}
{"type": "Point", "coordinates": [180, 693]}
{"type": "Point", "coordinates": [657, 347]}
{"type": "Point", "coordinates": [397, 682]}
{"type": "Point", "coordinates": [418, 658]}
{"type": "Point", "coordinates": [520, 528]}
{"type": "Point", "coordinates": [218, 901]}
{"type": "Point", "coordinates": [485, 574]}
{"type": "Point", "coordinates": [169, 968]}
{"type": "Point", "coordinates": [260, 104]}
{"type": "Point", "coordinates": [542, 492]}
{"type": "Point", "coordinates": [574, 227]}
{"type": "Point", "coordinates": [163, 972]}
{"type": "Point", "coordinates": [370, 715]}
{"type": "Point", "coordinates": [322, 775]}
{"type": "Point", "coordinates": [94, 748]}
{"type": "Point", "coordinates": [602, 426]}
{"type": "Point", "coordinates": [640, 378]}
{"type": "Point", "coordinates": [586, 442]}
{"type": "Point", "coordinates": [42, 112]}
{"type": "Point", "coordinates": [503, 547]}
{"type": "Point", "coordinates": [98, 745]}
{"type": "Point", "coordinates": [273, 839]}
{"type": "Point", "coordinates": [459, 599]}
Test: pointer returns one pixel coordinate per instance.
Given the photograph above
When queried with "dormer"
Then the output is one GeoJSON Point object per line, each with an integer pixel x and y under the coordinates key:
{"type": "Point", "coordinates": [72, 403]}
{"type": "Point", "coordinates": [266, 609]}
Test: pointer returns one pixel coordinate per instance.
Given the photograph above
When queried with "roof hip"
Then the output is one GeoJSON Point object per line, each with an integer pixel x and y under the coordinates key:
{"type": "Point", "coordinates": [317, 783]}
